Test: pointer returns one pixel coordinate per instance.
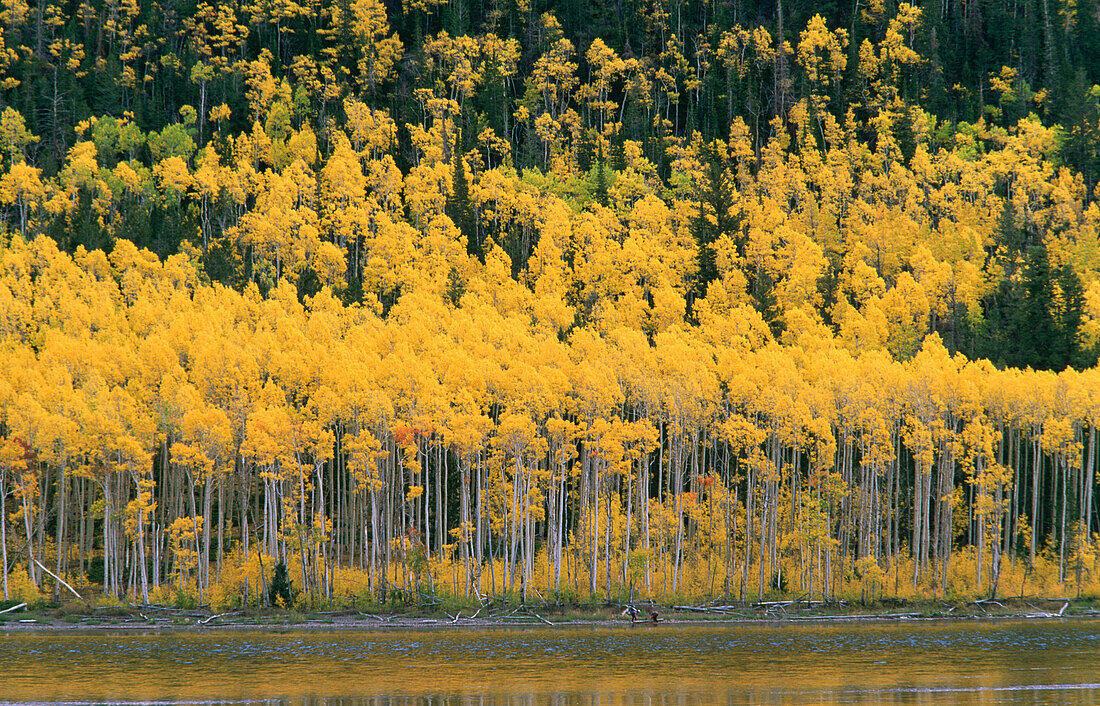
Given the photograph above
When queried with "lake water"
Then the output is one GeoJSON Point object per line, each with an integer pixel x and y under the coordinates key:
{"type": "Point", "coordinates": [642, 665]}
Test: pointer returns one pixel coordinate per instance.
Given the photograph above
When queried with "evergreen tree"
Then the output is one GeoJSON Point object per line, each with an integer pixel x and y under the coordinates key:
{"type": "Point", "coordinates": [281, 587]}
{"type": "Point", "coordinates": [459, 207]}
{"type": "Point", "coordinates": [601, 183]}
{"type": "Point", "coordinates": [714, 218]}
{"type": "Point", "coordinates": [1071, 315]}
{"type": "Point", "coordinates": [1037, 331]}
{"type": "Point", "coordinates": [1034, 318]}
{"type": "Point", "coordinates": [765, 301]}
{"type": "Point", "coordinates": [587, 151]}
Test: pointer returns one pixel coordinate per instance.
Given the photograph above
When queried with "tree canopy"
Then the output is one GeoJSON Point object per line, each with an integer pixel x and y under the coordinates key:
{"type": "Point", "coordinates": [677, 298]}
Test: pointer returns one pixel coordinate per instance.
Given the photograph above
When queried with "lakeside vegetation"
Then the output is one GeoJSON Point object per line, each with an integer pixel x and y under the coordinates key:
{"type": "Point", "coordinates": [463, 614]}
{"type": "Point", "coordinates": [472, 300]}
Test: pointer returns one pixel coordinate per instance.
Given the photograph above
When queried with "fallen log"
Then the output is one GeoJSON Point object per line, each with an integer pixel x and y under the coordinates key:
{"type": "Point", "coordinates": [59, 579]}
{"type": "Point", "coordinates": [539, 617]}
{"type": "Point", "coordinates": [220, 615]}
{"type": "Point", "coordinates": [13, 608]}
{"type": "Point", "coordinates": [867, 616]}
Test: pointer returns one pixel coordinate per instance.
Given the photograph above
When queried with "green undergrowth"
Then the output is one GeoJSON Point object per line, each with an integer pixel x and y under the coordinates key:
{"type": "Point", "coordinates": [505, 612]}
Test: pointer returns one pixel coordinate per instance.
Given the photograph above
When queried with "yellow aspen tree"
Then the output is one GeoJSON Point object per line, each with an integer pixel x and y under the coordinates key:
{"type": "Point", "coordinates": [21, 187]}
{"type": "Point", "coordinates": [605, 67]}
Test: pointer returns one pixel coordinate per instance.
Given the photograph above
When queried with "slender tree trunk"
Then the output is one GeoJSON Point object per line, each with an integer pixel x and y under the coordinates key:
{"type": "Point", "coordinates": [1036, 461]}
{"type": "Point", "coordinates": [207, 514]}
{"type": "Point", "coordinates": [595, 524]}
{"type": "Point", "coordinates": [4, 529]}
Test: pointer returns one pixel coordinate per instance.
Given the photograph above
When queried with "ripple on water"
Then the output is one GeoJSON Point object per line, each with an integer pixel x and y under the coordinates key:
{"type": "Point", "coordinates": [596, 666]}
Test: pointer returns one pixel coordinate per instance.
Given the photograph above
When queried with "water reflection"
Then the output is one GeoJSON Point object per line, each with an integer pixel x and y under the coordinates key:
{"type": "Point", "coordinates": [661, 665]}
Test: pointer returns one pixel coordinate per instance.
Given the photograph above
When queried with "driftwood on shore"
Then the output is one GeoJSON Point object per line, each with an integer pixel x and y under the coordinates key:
{"type": "Point", "coordinates": [379, 618]}
{"type": "Point", "coordinates": [458, 616]}
{"type": "Point", "coordinates": [516, 615]}
{"type": "Point", "coordinates": [864, 616]}
{"type": "Point", "coordinates": [219, 615]}
{"type": "Point", "coordinates": [501, 610]}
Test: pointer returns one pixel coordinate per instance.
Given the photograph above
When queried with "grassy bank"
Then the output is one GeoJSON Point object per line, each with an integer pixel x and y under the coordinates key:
{"type": "Point", "coordinates": [85, 615]}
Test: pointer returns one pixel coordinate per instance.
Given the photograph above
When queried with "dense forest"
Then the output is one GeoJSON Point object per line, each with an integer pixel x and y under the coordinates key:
{"type": "Point", "coordinates": [566, 300]}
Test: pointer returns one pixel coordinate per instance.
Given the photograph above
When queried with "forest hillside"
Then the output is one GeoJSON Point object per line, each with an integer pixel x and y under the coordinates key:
{"type": "Point", "coordinates": [468, 299]}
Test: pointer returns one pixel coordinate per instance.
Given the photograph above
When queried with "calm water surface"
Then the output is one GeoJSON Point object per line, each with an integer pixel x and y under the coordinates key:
{"type": "Point", "coordinates": [663, 665]}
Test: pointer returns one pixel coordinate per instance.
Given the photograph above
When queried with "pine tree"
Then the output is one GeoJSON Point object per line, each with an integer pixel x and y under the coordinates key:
{"type": "Point", "coordinates": [1038, 332]}
{"type": "Point", "coordinates": [715, 217]}
{"type": "Point", "coordinates": [459, 207]}
{"type": "Point", "coordinates": [1070, 317]}
{"type": "Point", "coordinates": [281, 587]}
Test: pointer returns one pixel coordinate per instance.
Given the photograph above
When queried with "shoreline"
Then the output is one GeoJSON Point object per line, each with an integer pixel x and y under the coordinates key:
{"type": "Point", "coordinates": [166, 619]}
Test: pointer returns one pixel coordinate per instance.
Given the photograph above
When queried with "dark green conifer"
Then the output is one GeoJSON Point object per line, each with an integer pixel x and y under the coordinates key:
{"type": "Point", "coordinates": [459, 207]}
